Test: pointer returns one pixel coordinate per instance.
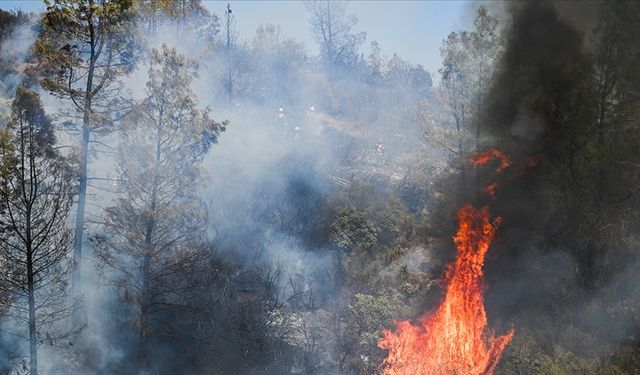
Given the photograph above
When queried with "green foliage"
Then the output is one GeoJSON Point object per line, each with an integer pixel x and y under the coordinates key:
{"type": "Point", "coordinates": [191, 16]}
{"type": "Point", "coordinates": [367, 315]}
{"type": "Point", "coordinates": [154, 237]}
{"type": "Point", "coordinates": [83, 49]}
{"type": "Point", "coordinates": [352, 231]}
{"type": "Point", "coordinates": [524, 357]}
{"type": "Point", "coordinates": [371, 313]}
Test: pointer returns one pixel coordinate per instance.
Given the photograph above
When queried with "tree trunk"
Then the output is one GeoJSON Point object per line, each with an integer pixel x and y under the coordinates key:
{"type": "Point", "coordinates": [33, 344]}
{"type": "Point", "coordinates": [144, 315]}
{"type": "Point", "coordinates": [82, 197]}
{"type": "Point", "coordinates": [479, 116]}
{"type": "Point", "coordinates": [146, 295]}
{"type": "Point", "coordinates": [229, 79]}
{"type": "Point", "coordinates": [79, 229]}
{"type": "Point", "coordinates": [82, 191]}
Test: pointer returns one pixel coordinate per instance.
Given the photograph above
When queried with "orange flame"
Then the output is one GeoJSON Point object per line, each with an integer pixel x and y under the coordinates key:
{"type": "Point", "coordinates": [453, 339]}
{"type": "Point", "coordinates": [490, 189]}
{"type": "Point", "coordinates": [490, 154]}
{"type": "Point", "coordinates": [485, 157]}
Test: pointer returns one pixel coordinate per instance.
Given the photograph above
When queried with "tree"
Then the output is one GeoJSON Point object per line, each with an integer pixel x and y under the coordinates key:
{"type": "Point", "coordinates": [331, 28]}
{"type": "Point", "coordinates": [374, 64]}
{"type": "Point", "coordinates": [189, 15]}
{"type": "Point", "coordinates": [467, 68]}
{"type": "Point", "coordinates": [154, 12]}
{"type": "Point", "coordinates": [352, 231]}
{"type": "Point", "coordinates": [615, 79]}
{"type": "Point", "coordinates": [485, 43]}
{"type": "Point", "coordinates": [230, 41]}
{"type": "Point", "coordinates": [84, 47]}
{"type": "Point", "coordinates": [366, 316]}
{"type": "Point", "coordinates": [397, 71]}
{"type": "Point", "coordinates": [234, 73]}
{"type": "Point", "coordinates": [154, 233]}
{"type": "Point", "coordinates": [36, 194]}
{"type": "Point", "coordinates": [453, 99]}
{"type": "Point", "coordinates": [420, 79]}
{"type": "Point", "coordinates": [456, 78]}
{"type": "Point", "coordinates": [275, 60]}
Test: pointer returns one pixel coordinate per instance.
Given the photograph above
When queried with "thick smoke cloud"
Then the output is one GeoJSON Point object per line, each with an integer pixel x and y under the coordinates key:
{"type": "Point", "coordinates": [545, 272]}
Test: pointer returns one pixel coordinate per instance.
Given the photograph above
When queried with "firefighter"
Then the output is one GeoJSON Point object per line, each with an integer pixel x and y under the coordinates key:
{"type": "Point", "coordinates": [380, 147]}
{"type": "Point", "coordinates": [281, 121]}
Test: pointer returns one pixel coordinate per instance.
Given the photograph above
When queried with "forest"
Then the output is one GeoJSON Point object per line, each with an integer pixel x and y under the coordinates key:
{"type": "Point", "coordinates": [180, 198]}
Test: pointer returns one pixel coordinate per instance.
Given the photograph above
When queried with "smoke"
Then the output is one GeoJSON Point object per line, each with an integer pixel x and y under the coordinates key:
{"type": "Point", "coordinates": [264, 184]}
{"type": "Point", "coordinates": [17, 45]}
{"type": "Point", "coordinates": [270, 181]}
{"type": "Point", "coordinates": [15, 52]}
{"type": "Point", "coordinates": [539, 77]}
{"type": "Point", "coordinates": [551, 270]}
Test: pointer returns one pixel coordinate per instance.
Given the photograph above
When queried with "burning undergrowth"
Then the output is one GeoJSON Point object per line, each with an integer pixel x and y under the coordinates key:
{"type": "Point", "coordinates": [454, 338]}
{"type": "Point", "coordinates": [562, 105]}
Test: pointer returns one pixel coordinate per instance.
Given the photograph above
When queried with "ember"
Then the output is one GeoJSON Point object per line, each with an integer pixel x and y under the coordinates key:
{"type": "Point", "coordinates": [490, 189]}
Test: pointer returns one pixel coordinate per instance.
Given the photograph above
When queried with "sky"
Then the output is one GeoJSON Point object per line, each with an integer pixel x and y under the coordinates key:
{"type": "Point", "coordinates": [412, 29]}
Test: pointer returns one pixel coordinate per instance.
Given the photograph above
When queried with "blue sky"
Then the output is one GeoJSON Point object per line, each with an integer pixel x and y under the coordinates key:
{"type": "Point", "coordinates": [412, 29]}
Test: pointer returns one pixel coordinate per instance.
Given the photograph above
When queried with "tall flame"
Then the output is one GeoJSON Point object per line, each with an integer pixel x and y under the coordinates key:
{"type": "Point", "coordinates": [454, 339]}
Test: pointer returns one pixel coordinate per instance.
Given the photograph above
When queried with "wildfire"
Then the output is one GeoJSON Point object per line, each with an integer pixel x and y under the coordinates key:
{"type": "Point", "coordinates": [490, 189]}
{"type": "Point", "coordinates": [454, 339]}
{"type": "Point", "coordinates": [488, 155]}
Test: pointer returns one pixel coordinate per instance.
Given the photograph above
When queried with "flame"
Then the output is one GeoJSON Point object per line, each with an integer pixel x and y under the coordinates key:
{"type": "Point", "coordinates": [487, 156]}
{"type": "Point", "coordinates": [490, 189]}
{"type": "Point", "coordinates": [454, 339]}
{"type": "Point", "coordinates": [490, 154]}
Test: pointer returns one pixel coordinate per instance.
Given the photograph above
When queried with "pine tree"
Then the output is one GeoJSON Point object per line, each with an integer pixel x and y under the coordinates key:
{"type": "Point", "coordinates": [154, 233]}
{"type": "Point", "coordinates": [36, 194]}
{"type": "Point", "coordinates": [85, 46]}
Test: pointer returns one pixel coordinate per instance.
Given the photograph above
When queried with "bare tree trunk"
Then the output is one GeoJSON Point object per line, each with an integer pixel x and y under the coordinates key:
{"type": "Point", "coordinates": [146, 292]}
{"type": "Point", "coordinates": [33, 344]}
{"type": "Point", "coordinates": [330, 47]}
{"type": "Point", "coordinates": [82, 197]}
{"type": "Point", "coordinates": [146, 264]}
{"type": "Point", "coordinates": [228, 46]}
{"type": "Point", "coordinates": [144, 314]}
{"type": "Point", "coordinates": [82, 191]}
{"type": "Point", "coordinates": [479, 117]}
{"type": "Point", "coordinates": [460, 123]}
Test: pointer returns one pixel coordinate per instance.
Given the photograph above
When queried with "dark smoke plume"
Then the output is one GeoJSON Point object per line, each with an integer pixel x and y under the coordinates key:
{"type": "Point", "coordinates": [561, 256]}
